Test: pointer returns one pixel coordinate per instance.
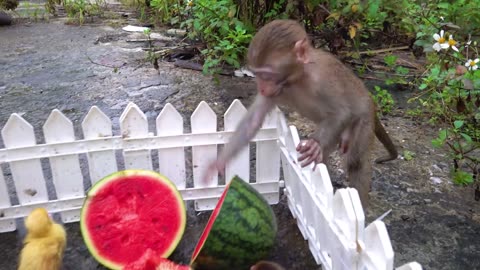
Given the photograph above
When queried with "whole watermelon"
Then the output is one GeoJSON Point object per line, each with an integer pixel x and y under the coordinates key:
{"type": "Point", "coordinates": [240, 232]}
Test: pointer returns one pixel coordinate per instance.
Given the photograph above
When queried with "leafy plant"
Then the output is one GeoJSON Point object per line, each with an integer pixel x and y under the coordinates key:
{"type": "Point", "coordinates": [151, 56]}
{"type": "Point", "coordinates": [226, 37]}
{"type": "Point", "coordinates": [383, 99]}
{"type": "Point", "coordinates": [461, 146]}
{"type": "Point", "coordinates": [78, 10]}
{"type": "Point", "coordinates": [450, 93]}
{"type": "Point", "coordinates": [408, 155]}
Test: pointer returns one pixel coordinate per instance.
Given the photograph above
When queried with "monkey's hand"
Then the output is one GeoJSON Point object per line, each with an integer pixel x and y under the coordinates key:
{"type": "Point", "coordinates": [214, 167]}
{"type": "Point", "coordinates": [310, 151]}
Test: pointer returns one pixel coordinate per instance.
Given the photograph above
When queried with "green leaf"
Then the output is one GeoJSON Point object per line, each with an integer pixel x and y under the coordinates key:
{"type": "Point", "coordinates": [466, 137]}
{"type": "Point", "coordinates": [443, 5]}
{"type": "Point", "coordinates": [435, 71]}
{"type": "Point", "coordinates": [437, 143]}
{"type": "Point", "coordinates": [373, 8]}
{"type": "Point", "coordinates": [408, 155]}
{"type": "Point", "coordinates": [462, 177]}
{"type": "Point", "coordinates": [442, 134]}
{"type": "Point", "coordinates": [422, 86]}
{"type": "Point", "coordinates": [458, 124]}
{"type": "Point", "coordinates": [402, 70]}
{"type": "Point", "coordinates": [390, 60]}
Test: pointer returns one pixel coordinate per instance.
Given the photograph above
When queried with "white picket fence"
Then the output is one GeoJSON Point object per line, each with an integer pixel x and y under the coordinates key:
{"type": "Point", "coordinates": [332, 223]}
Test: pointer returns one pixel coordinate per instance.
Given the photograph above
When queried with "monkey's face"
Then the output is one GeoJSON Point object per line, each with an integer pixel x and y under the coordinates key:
{"type": "Point", "coordinates": [269, 82]}
{"type": "Point", "coordinates": [276, 73]}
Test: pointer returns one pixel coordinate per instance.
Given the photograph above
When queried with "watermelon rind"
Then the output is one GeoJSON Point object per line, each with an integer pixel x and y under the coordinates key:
{"type": "Point", "coordinates": [242, 233]}
{"type": "Point", "coordinates": [118, 176]}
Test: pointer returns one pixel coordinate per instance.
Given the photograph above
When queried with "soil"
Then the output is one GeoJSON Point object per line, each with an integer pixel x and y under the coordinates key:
{"type": "Point", "coordinates": [50, 64]}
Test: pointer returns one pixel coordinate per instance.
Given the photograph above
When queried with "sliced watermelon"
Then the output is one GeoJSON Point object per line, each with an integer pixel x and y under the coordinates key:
{"type": "Point", "coordinates": [150, 261]}
{"type": "Point", "coordinates": [240, 232]}
{"type": "Point", "coordinates": [130, 212]}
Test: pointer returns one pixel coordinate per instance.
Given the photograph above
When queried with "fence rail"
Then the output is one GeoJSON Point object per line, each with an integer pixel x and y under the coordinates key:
{"type": "Point", "coordinates": [333, 223]}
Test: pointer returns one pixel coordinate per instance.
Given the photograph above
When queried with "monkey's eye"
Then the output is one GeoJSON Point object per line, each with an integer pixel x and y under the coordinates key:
{"type": "Point", "coordinates": [267, 76]}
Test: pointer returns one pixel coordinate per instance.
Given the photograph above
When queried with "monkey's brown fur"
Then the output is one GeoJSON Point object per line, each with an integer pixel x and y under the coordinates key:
{"type": "Point", "coordinates": [289, 71]}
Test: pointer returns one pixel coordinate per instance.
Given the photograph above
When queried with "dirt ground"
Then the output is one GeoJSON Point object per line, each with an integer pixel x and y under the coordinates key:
{"type": "Point", "coordinates": [48, 65]}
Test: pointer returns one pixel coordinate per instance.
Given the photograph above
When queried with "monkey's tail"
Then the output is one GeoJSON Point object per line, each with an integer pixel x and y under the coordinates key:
{"type": "Point", "coordinates": [383, 137]}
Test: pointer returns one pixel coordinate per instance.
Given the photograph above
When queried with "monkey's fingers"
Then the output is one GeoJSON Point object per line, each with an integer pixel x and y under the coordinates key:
{"type": "Point", "coordinates": [305, 145]}
{"type": "Point", "coordinates": [211, 170]}
{"type": "Point", "coordinates": [313, 155]}
{"type": "Point", "coordinates": [308, 149]}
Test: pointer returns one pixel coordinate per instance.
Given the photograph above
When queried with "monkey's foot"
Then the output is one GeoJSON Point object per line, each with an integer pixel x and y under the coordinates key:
{"type": "Point", "coordinates": [310, 151]}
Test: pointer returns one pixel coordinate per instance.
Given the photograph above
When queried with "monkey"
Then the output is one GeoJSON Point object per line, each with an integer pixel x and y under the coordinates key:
{"type": "Point", "coordinates": [266, 265]}
{"type": "Point", "coordinates": [290, 72]}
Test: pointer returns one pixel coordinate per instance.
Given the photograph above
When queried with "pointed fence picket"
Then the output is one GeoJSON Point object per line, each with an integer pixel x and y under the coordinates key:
{"type": "Point", "coordinates": [232, 118]}
{"type": "Point", "coordinates": [171, 160]}
{"type": "Point", "coordinates": [333, 223]}
{"type": "Point", "coordinates": [97, 125]}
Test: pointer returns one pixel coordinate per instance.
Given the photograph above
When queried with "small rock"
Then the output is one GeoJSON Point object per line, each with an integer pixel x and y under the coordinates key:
{"type": "Point", "coordinates": [5, 18]}
{"type": "Point", "coordinates": [435, 167]}
{"type": "Point", "coordinates": [243, 72]}
{"type": "Point", "coordinates": [436, 180]}
{"type": "Point", "coordinates": [476, 218]}
{"type": "Point", "coordinates": [405, 217]}
{"type": "Point", "coordinates": [410, 190]}
{"type": "Point", "coordinates": [157, 36]}
{"type": "Point", "coordinates": [177, 32]}
{"type": "Point", "coordinates": [427, 200]}
{"type": "Point", "coordinates": [131, 28]}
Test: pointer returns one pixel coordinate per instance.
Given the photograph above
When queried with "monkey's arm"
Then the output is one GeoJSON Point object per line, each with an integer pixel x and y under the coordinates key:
{"type": "Point", "coordinates": [247, 128]}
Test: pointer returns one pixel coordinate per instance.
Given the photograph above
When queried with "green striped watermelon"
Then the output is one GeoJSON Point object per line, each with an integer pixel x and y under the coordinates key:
{"type": "Point", "coordinates": [132, 213]}
{"type": "Point", "coordinates": [240, 232]}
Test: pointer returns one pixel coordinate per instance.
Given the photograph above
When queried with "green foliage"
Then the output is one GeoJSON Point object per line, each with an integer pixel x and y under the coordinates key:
{"type": "Point", "coordinates": [408, 155]}
{"type": "Point", "coordinates": [383, 99]}
{"type": "Point", "coordinates": [396, 74]}
{"type": "Point", "coordinates": [226, 37]}
{"type": "Point", "coordinates": [278, 11]}
{"type": "Point", "coordinates": [78, 10]}
{"type": "Point", "coordinates": [164, 10]}
{"type": "Point", "coordinates": [9, 4]}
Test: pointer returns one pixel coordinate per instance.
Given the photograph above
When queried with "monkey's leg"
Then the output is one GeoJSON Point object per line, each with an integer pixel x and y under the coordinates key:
{"type": "Point", "coordinates": [359, 168]}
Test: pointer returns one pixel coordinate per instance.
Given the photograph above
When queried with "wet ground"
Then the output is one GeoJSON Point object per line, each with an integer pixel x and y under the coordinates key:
{"type": "Point", "coordinates": [48, 65]}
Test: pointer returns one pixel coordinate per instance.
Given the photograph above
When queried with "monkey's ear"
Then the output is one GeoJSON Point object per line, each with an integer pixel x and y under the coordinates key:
{"type": "Point", "coordinates": [300, 50]}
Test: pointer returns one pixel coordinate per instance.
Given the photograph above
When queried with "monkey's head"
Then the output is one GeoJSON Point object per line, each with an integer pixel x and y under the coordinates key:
{"type": "Point", "coordinates": [277, 55]}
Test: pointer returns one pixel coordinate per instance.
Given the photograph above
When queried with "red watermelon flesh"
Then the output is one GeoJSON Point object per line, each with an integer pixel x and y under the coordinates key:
{"type": "Point", "coordinates": [150, 261]}
{"type": "Point", "coordinates": [130, 212]}
{"type": "Point", "coordinates": [208, 228]}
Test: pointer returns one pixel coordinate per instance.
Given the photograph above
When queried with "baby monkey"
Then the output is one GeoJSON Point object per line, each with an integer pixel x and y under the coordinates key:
{"type": "Point", "coordinates": [289, 71]}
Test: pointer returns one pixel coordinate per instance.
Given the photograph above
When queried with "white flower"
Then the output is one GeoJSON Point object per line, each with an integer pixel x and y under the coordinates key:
{"type": "Point", "coordinates": [452, 42]}
{"type": "Point", "coordinates": [472, 64]}
{"type": "Point", "coordinates": [441, 42]}
{"type": "Point", "coordinates": [442, 18]}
